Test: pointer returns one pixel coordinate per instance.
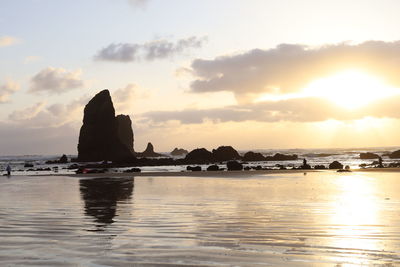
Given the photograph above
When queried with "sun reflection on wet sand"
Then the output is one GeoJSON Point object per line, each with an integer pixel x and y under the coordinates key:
{"type": "Point", "coordinates": [355, 219]}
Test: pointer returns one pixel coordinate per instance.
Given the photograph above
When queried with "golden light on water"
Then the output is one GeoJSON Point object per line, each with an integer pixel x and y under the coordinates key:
{"type": "Point", "coordinates": [350, 89]}
{"type": "Point", "coordinates": [355, 218]}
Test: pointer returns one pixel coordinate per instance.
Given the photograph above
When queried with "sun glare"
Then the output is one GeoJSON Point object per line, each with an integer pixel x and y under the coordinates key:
{"type": "Point", "coordinates": [350, 89]}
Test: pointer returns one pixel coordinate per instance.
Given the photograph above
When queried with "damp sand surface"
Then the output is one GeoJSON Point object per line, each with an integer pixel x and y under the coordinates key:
{"type": "Point", "coordinates": [282, 219]}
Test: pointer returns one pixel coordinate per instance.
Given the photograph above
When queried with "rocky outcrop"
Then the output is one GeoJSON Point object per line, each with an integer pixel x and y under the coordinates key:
{"type": "Point", "coordinates": [125, 132]}
{"type": "Point", "coordinates": [98, 138]}
{"type": "Point", "coordinates": [149, 152]}
{"type": "Point", "coordinates": [194, 168]}
{"type": "Point", "coordinates": [395, 155]}
{"type": "Point", "coordinates": [213, 168]}
{"type": "Point", "coordinates": [336, 165]}
{"type": "Point", "coordinates": [225, 153]}
{"type": "Point", "coordinates": [63, 159]}
{"type": "Point", "coordinates": [199, 155]}
{"type": "Point", "coordinates": [252, 156]}
{"type": "Point", "coordinates": [369, 155]}
{"type": "Point", "coordinates": [234, 166]}
{"type": "Point", "coordinates": [179, 152]}
{"type": "Point", "coordinates": [281, 157]}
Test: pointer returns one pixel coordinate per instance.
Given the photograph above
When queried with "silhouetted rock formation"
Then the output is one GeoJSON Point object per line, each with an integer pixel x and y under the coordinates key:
{"type": "Point", "coordinates": [194, 168]}
{"type": "Point", "coordinates": [133, 170]}
{"type": "Point", "coordinates": [234, 166]}
{"type": "Point", "coordinates": [252, 156]}
{"type": "Point", "coordinates": [99, 138]}
{"type": "Point", "coordinates": [179, 152]}
{"type": "Point", "coordinates": [369, 155]}
{"type": "Point", "coordinates": [102, 195]}
{"type": "Point", "coordinates": [213, 168]}
{"type": "Point", "coordinates": [395, 155]}
{"type": "Point", "coordinates": [125, 132]}
{"type": "Point", "coordinates": [336, 165]}
{"type": "Point", "coordinates": [225, 153]}
{"type": "Point", "coordinates": [305, 166]}
{"type": "Point", "coordinates": [63, 159]}
{"type": "Point", "coordinates": [149, 152]}
{"type": "Point", "coordinates": [281, 157]}
{"type": "Point", "coordinates": [199, 155]}
{"type": "Point", "coordinates": [319, 167]}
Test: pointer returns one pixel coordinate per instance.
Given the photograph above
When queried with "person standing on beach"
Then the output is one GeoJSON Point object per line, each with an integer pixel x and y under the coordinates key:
{"type": "Point", "coordinates": [8, 169]}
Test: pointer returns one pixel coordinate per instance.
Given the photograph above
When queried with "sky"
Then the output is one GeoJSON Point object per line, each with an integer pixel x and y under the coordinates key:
{"type": "Point", "coordinates": [254, 74]}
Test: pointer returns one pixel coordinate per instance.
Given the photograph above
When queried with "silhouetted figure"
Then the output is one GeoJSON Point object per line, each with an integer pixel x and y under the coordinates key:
{"type": "Point", "coordinates": [380, 162]}
{"type": "Point", "coordinates": [101, 196]}
{"type": "Point", "coordinates": [305, 166]}
{"type": "Point", "coordinates": [8, 169]}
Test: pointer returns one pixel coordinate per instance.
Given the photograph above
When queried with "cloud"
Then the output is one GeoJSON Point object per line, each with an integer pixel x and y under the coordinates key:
{"type": "Point", "coordinates": [118, 52]}
{"type": "Point", "coordinates": [124, 98]}
{"type": "Point", "coordinates": [41, 115]}
{"type": "Point", "coordinates": [27, 113]}
{"type": "Point", "coordinates": [55, 81]}
{"type": "Point", "coordinates": [288, 68]}
{"type": "Point", "coordinates": [8, 41]}
{"type": "Point", "coordinates": [309, 109]}
{"type": "Point", "coordinates": [164, 49]}
{"type": "Point", "coordinates": [7, 89]}
{"type": "Point", "coordinates": [159, 49]}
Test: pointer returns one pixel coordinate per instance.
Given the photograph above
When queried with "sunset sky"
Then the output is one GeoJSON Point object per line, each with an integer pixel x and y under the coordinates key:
{"type": "Point", "coordinates": [251, 74]}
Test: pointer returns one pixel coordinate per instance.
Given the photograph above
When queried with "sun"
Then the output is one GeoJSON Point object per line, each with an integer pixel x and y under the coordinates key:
{"type": "Point", "coordinates": [350, 89]}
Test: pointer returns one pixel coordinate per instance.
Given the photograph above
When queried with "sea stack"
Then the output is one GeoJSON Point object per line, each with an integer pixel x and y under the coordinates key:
{"type": "Point", "coordinates": [99, 137]}
{"type": "Point", "coordinates": [125, 132]}
{"type": "Point", "coordinates": [149, 152]}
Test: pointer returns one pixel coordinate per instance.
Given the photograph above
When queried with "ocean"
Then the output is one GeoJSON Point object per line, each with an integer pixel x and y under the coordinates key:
{"type": "Point", "coordinates": [314, 157]}
{"type": "Point", "coordinates": [318, 219]}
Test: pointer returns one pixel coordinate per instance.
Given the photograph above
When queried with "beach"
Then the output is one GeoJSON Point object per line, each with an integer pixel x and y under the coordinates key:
{"type": "Point", "coordinates": [201, 219]}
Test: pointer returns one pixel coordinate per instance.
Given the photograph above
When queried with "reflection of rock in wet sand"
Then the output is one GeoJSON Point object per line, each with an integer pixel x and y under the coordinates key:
{"type": "Point", "coordinates": [102, 194]}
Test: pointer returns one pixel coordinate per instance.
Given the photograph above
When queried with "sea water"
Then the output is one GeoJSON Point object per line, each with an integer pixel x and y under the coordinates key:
{"type": "Point", "coordinates": [350, 157]}
{"type": "Point", "coordinates": [317, 219]}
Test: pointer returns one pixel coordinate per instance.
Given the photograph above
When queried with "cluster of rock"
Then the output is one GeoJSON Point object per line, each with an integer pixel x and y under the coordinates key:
{"type": "Point", "coordinates": [103, 136]}
{"type": "Point", "coordinates": [179, 152]}
{"type": "Point", "coordinates": [395, 154]}
{"type": "Point", "coordinates": [62, 160]}
{"type": "Point", "coordinates": [227, 153]}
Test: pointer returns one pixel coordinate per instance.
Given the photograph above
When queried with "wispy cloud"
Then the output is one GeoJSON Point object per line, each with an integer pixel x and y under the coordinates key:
{"type": "Point", "coordinates": [56, 81]}
{"type": "Point", "coordinates": [8, 41]}
{"type": "Point", "coordinates": [310, 109]}
{"type": "Point", "coordinates": [7, 89]}
{"type": "Point", "coordinates": [27, 113]}
{"type": "Point", "coordinates": [159, 49]}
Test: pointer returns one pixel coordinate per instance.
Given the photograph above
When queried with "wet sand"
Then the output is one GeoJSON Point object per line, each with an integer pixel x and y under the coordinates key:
{"type": "Point", "coordinates": [274, 219]}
